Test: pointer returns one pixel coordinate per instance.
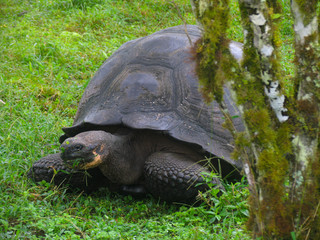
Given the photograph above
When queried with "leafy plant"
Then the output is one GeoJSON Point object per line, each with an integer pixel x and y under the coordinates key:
{"type": "Point", "coordinates": [226, 204]}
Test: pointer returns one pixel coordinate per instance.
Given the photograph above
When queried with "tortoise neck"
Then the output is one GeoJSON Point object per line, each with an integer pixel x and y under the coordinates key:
{"type": "Point", "coordinates": [124, 162]}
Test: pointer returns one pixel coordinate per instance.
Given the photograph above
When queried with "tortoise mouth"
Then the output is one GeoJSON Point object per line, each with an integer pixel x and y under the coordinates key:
{"type": "Point", "coordinates": [74, 162]}
{"type": "Point", "coordinates": [97, 160]}
{"type": "Point", "coordinates": [83, 163]}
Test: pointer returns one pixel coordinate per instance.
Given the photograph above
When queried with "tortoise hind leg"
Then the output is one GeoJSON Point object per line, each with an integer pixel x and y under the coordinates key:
{"type": "Point", "coordinates": [175, 178]}
{"type": "Point", "coordinates": [52, 169]}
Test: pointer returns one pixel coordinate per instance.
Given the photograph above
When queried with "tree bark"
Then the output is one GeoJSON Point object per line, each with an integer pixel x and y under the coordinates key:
{"type": "Point", "coordinates": [305, 169]}
{"type": "Point", "coordinates": [280, 147]}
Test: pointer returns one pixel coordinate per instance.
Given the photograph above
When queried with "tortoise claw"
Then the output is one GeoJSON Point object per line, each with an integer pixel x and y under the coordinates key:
{"type": "Point", "coordinates": [52, 169]}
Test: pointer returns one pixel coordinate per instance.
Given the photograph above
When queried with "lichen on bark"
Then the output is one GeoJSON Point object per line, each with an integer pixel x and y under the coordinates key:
{"type": "Point", "coordinates": [281, 142]}
{"type": "Point", "coordinates": [263, 115]}
{"type": "Point", "coordinates": [305, 188]}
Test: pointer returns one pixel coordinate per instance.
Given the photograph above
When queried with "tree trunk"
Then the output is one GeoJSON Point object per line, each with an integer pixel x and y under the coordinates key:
{"type": "Point", "coordinates": [280, 148]}
{"type": "Point", "coordinates": [305, 170]}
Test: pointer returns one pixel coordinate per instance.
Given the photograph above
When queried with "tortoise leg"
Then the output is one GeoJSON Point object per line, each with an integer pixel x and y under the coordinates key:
{"type": "Point", "coordinates": [52, 169]}
{"type": "Point", "coordinates": [174, 177]}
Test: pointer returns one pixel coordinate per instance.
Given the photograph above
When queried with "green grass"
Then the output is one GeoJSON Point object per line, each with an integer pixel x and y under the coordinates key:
{"type": "Point", "coordinates": [49, 52]}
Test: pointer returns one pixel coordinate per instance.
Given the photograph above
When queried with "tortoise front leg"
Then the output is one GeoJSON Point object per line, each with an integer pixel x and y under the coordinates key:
{"type": "Point", "coordinates": [52, 169]}
{"type": "Point", "coordinates": [175, 178]}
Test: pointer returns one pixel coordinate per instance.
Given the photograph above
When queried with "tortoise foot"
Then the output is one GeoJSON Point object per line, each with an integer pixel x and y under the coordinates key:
{"type": "Point", "coordinates": [174, 178]}
{"type": "Point", "coordinates": [52, 169]}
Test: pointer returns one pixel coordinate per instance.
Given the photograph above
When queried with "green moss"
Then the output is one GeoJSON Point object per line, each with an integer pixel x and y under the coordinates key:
{"type": "Point", "coordinates": [308, 116]}
{"type": "Point", "coordinates": [273, 166]}
{"type": "Point", "coordinates": [209, 53]}
{"type": "Point", "coordinates": [274, 6]}
{"type": "Point", "coordinates": [259, 124]}
{"type": "Point", "coordinates": [251, 57]}
{"type": "Point", "coordinates": [284, 134]}
{"type": "Point", "coordinates": [319, 24]}
{"type": "Point", "coordinates": [273, 158]}
{"type": "Point", "coordinates": [271, 140]}
{"type": "Point", "coordinates": [308, 206]}
{"type": "Point", "coordinates": [241, 143]}
{"type": "Point", "coordinates": [308, 75]}
{"type": "Point", "coordinates": [309, 8]}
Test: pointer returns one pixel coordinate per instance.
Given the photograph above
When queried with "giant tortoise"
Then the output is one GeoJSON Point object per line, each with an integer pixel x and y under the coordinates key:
{"type": "Point", "coordinates": [142, 125]}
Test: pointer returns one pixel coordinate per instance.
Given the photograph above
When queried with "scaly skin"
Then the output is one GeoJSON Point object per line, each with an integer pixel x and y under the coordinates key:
{"type": "Point", "coordinates": [52, 169]}
{"type": "Point", "coordinates": [173, 178]}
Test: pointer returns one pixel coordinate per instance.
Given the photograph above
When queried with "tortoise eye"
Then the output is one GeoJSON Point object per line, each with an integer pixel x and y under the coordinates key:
{"type": "Point", "coordinates": [77, 147]}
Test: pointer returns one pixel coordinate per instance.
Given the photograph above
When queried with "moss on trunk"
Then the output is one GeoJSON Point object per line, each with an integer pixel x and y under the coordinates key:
{"type": "Point", "coordinates": [211, 49]}
{"type": "Point", "coordinates": [283, 176]}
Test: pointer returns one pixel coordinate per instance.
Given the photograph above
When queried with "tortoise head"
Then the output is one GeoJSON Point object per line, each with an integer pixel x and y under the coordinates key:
{"type": "Point", "coordinates": [87, 149]}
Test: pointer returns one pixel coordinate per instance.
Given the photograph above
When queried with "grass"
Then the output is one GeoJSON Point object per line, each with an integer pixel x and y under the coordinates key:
{"type": "Point", "coordinates": [49, 52]}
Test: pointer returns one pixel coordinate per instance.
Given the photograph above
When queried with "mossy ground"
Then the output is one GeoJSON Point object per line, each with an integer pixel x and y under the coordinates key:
{"type": "Point", "coordinates": [49, 51]}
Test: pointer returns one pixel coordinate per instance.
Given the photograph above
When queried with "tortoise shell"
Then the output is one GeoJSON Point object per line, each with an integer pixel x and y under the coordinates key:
{"type": "Point", "coordinates": [150, 83]}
